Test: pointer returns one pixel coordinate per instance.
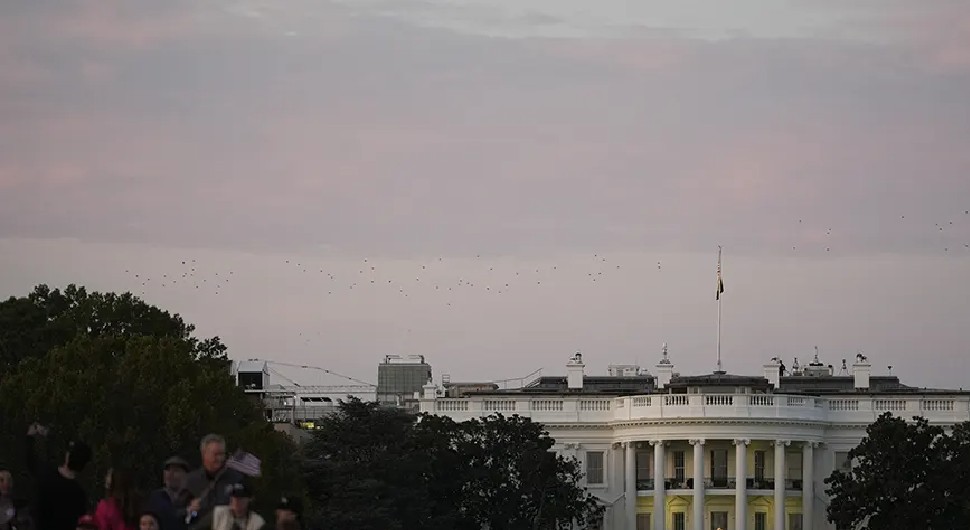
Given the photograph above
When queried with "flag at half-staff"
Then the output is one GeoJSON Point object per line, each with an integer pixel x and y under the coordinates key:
{"type": "Point", "coordinates": [720, 282]}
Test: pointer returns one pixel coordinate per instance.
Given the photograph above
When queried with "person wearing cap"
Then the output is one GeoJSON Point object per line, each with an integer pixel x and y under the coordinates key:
{"type": "Point", "coordinates": [288, 509]}
{"type": "Point", "coordinates": [237, 515]}
{"type": "Point", "coordinates": [168, 502]}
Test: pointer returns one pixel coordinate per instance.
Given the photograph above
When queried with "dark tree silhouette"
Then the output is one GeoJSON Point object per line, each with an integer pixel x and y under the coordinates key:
{"type": "Point", "coordinates": [904, 475]}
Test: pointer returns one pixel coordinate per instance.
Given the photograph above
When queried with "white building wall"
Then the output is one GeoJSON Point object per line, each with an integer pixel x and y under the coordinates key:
{"type": "Point", "coordinates": [581, 424]}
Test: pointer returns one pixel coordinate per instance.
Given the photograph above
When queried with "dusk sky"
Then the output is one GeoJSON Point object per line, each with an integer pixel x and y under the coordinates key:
{"type": "Point", "coordinates": [496, 184]}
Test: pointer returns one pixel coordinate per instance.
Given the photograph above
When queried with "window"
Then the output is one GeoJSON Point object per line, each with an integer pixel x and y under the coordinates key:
{"type": "Point", "coordinates": [680, 522]}
{"type": "Point", "coordinates": [643, 466]}
{"type": "Point", "coordinates": [719, 465]}
{"type": "Point", "coordinates": [842, 462]}
{"type": "Point", "coordinates": [759, 465]}
{"type": "Point", "coordinates": [594, 467]}
{"type": "Point", "coordinates": [794, 521]}
{"type": "Point", "coordinates": [644, 521]}
{"type": "Point", "coordinates": [679, 465]}
{"type": "Point", "coordinates": [760, 520]}
{"type": "Point", "coordinates": [719, 520]}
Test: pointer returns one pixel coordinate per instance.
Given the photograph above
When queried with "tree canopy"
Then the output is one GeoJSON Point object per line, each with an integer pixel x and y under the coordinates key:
{"type": "Point", "coordinates": [376, 468]}
{"type": "Point", "coordinates": [904, 475]}
{"type": "Point", "coordinates": [32, 325]}
{"type": "Point", "coordinates": [130, 380]}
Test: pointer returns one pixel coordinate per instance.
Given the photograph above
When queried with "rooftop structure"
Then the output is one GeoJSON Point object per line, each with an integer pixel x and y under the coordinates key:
{"type": "Point", "coordinates": [671, 451]}
{"type": "Point", "coordinates": [289, 402]}
{"type": "Point", "coordinates": [400, 379]}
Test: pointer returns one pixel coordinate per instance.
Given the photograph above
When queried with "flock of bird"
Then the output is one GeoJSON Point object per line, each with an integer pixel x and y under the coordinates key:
{"type": "Point", "coordinates": [441, 277]}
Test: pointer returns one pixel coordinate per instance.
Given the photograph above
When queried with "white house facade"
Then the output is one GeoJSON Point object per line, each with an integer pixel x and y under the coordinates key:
{"type": "Point", "coordinates": [672, 452]}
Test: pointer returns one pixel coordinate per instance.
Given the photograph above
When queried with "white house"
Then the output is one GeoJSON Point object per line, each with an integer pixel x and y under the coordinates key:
{"type": "Point", "coordinates": [666, 451]}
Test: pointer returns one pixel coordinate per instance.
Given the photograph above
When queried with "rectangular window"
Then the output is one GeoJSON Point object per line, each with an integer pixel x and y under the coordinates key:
{"type": "Point", "coordinates": [760, 521]}
{"type": "Point", "coordinates": [794, 521]}
{"type": "Point", "coordinates": [643, 466]}
{"type": "Point", "coordinates": [759, 465]}
{"type": "Point", "coordinates": [594, 467]}
{"type": "Point", "coordinates": [679, 520]}
{"type": "Point", "coordinates": [644, 521]}
{"type": "Point", "coordinates": [679, 466]}
{"type": "Point", "coordinates": [719, 520]}
{"type": "Point", "coordinates": [719, 458]}
{"type": "Point", "coordinates": [842, 462]}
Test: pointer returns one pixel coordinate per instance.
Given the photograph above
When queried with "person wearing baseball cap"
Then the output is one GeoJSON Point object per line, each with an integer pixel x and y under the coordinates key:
{"type": "Point", "coordinates": [166, 502]}
{"type": "Point", "coordinates": [288, 509]}
{"type": "Point", "coordinates": [238, 514]}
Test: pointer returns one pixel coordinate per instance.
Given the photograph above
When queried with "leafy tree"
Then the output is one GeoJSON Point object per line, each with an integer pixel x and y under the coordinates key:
{"type": "Point", "coordinates": [130, 380]}
{"type": "Point", "coordinates": [46, 318]}
{"type": "Point", "coordinates": [904, 475]}
{"type": "Point", "coordinates": [516, 481]}
{"type": "Point", "coordinates": [375, 468]}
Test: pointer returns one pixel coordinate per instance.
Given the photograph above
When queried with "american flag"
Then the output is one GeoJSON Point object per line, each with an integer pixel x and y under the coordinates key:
{"type": "Point", "coordinates": [720, 282]}
{"type": "Point", "coordinates": [245, 463]}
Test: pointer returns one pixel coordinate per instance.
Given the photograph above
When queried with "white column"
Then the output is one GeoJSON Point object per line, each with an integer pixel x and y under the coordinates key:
{"type": "Point", "coordinates": [631, 486]}
{"type": "Point", "coordinates": [741, 484]}
{"type": "Point", "coordinates": [780, 446]}
{"type": "Point", "coordinates": [808, 485]}
{"type": "Point", "coordinates": [698, 484]}
{"type": "Point", "coordinates": [659, 505]}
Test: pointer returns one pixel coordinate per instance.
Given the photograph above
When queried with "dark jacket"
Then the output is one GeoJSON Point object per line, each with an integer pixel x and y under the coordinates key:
{"type": "Point", "coordinates": [170, 512]}
{"type": "Point", "coordinates": [211, 492]}
{"type": "Point", "coordinates": [60, 501]}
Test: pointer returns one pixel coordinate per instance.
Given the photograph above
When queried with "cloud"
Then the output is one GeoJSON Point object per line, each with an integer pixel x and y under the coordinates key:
{"type": "Point", "coordinates": [210, 128]}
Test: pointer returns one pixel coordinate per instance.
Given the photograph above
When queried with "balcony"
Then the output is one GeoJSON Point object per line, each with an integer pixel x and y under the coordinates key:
{"type": "Point", "coordinates": [726, 483]}
{"type": "Point", "coordinates": [589, 409]}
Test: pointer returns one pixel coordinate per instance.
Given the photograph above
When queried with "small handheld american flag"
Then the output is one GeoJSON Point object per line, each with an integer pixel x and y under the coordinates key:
{"type": "Point", "coordinates": [245, 463]}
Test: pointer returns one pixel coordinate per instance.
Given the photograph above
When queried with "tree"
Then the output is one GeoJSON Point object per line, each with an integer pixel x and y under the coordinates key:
{"type": "Point", "coordinates": [31, 326]}
{"type": "Point", "coordinates": [904, 475]}
{"type": "Point", "coordinates": [375, 468]}
{"type": "Point", "coordinates": [131, 381]}
{"type": "Point", "coordinates": [515, 481]}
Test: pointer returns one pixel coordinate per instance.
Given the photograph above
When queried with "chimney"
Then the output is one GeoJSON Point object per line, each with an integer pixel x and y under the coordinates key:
{"type": "Point", "coordinates": [575, 372]}
{"type": "Point", "coordinates": [861, 370]}
{"type": "Point", "coordinates": [430, 390]}
{"type": "Point", "coordinates": [773, 372]}
{"type": "Point", "coordinates": [665, 369]}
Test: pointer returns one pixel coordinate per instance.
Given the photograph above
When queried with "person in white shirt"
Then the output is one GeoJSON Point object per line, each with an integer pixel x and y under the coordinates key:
{"type": "Point", "coordinates": [237, 515]}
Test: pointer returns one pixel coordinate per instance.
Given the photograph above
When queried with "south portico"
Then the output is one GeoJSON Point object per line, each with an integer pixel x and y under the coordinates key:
{"type": "Point", "coordinates": [690, 479]}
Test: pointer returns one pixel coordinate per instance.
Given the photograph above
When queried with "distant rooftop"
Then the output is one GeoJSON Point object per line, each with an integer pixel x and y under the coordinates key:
{"type": "Point", "coordinates": [814, 378]}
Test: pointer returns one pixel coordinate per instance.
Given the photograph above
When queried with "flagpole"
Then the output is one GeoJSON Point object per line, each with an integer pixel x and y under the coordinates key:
{"type": "Point", "coordinates": [719, 290]}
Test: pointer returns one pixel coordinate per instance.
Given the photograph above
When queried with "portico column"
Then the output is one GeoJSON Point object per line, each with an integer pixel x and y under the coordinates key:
{"type": "Point", "coordinates": [808, 484]}
{"type": "Point", "coordinates": [780, 446]}
{"type": "Point", "coordinates": [659, 507]}
{"type": "Point", "coordinates": [741, 484]}
{"type": "Point", "coordinates": [698, 484]}
{"type": "Point", "coordinates": [631, 485]}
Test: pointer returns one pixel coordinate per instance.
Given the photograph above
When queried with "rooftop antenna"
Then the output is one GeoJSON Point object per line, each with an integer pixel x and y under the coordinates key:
{"type": "Point", "coordinates": [665, 359]}
{"type": "Point", "coordinates": [845, 369]}
{"type": "Point", "coordinates": [816, 356]}
{"type": "Point", "coordinates": [717, 296]}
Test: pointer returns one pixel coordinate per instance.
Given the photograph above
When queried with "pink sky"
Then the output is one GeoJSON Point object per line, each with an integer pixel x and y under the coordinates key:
{"type": "Point", "coordinates": [542, 132]}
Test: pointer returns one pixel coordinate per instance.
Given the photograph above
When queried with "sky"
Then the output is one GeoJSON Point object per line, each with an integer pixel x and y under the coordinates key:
{"type": "Point", "coordinates": [497, 184]}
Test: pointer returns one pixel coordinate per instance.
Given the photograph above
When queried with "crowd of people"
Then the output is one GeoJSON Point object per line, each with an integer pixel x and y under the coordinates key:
{"type": "Point", "coordinates": [213, 497]}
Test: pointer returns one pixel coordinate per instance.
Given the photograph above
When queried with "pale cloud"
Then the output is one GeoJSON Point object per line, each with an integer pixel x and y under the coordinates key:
{"type": "Point", "coordinates": [525, 129]}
